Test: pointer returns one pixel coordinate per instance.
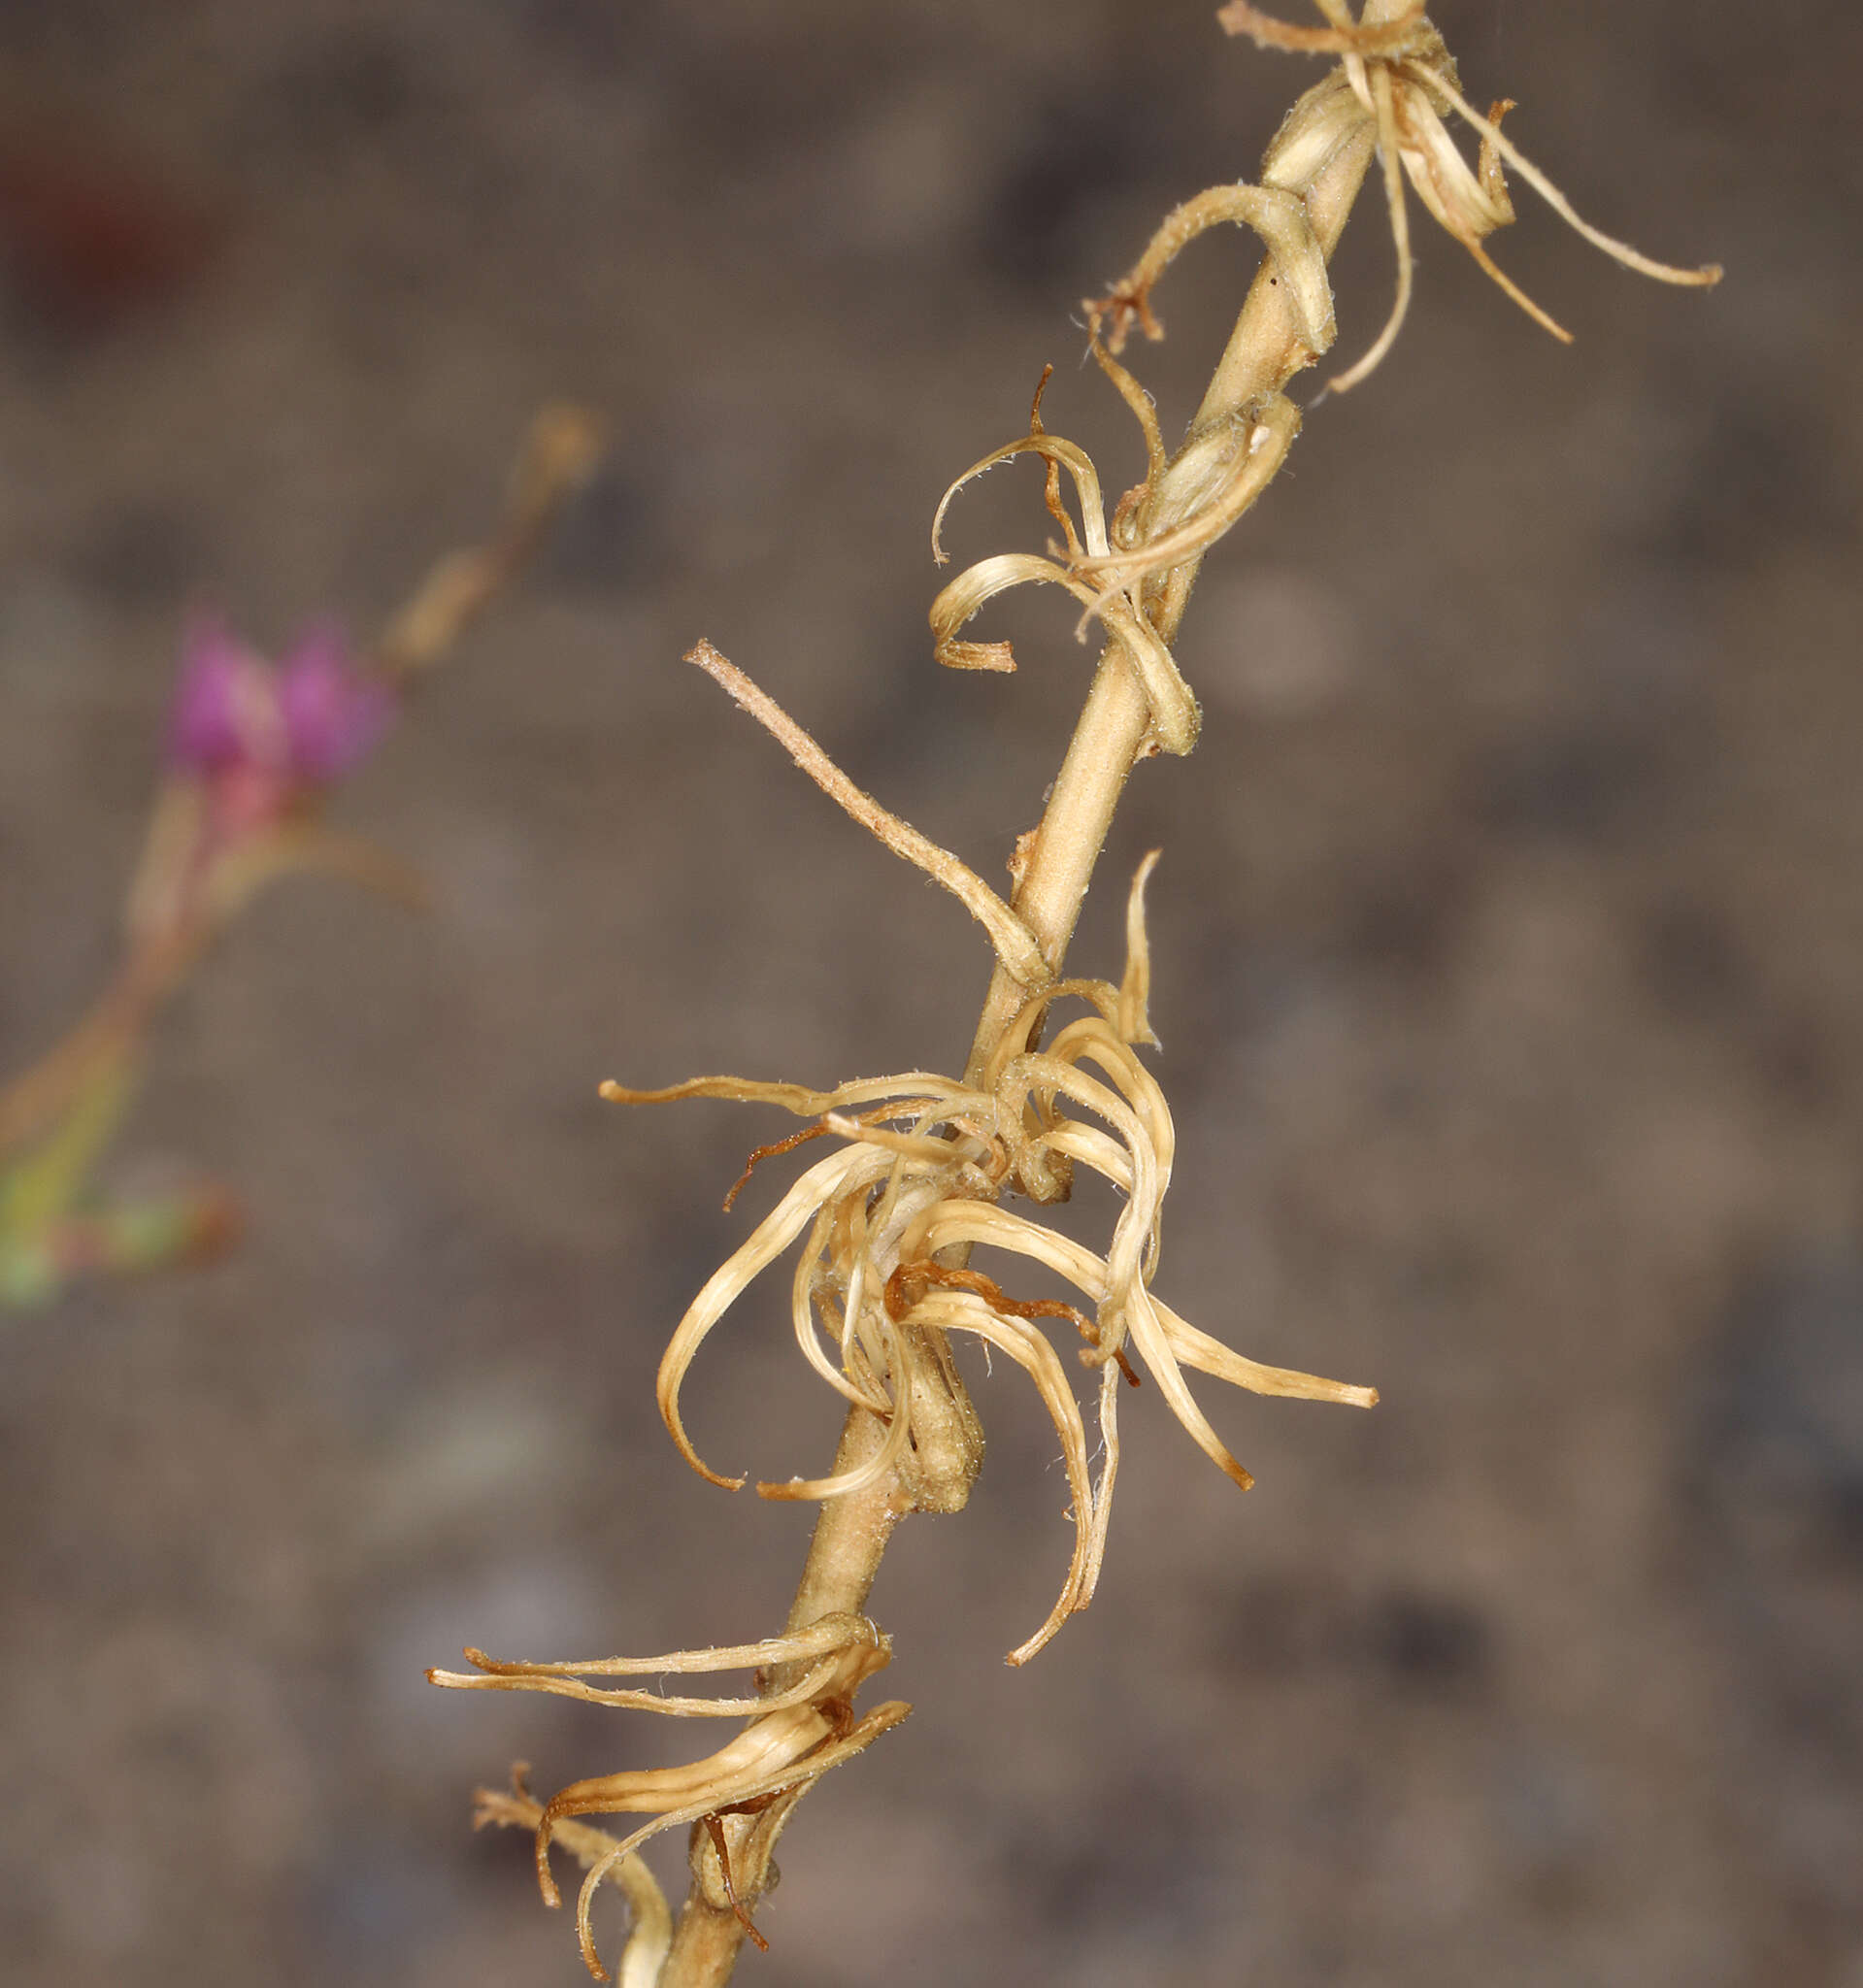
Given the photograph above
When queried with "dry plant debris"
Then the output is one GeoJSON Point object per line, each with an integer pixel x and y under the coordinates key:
{"type": "Point", "coordinates": [923, 1163]}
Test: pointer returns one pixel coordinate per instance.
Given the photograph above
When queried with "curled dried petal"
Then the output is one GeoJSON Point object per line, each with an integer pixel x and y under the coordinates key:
{"type": "Point", "coordinates": [1175, 716]}
{"type": "Point", "coordinates": [797, 1733]}
{"type": "Point", "coordinates": [965, 1311]}
{"type": "Point", "coordinates": [852, 1167]}
{"type": "Point", "coordinates": [1465, 200]}
{"type": "Point", "coordinates": [886, 1458]}
{"type": "Point", "coordinates": [1154, 1348]}
{"type": "Point", "coordinates": [1274, 214]}
{"type": "Point", "coordinates": [864, 1393]}
{"type": "Point", "coordinates": [1067, 454]}
{"type": "Point", "coordinates": [1211, 1356]}
{"type": "Point", "coordinates": [1469, 203]}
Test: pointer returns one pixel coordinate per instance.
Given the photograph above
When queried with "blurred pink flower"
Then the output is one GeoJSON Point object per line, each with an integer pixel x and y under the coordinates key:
{"type": "Point", "coordinates": [226, 708]}
{"type": "Point", "coordinates": [334, 716]}
{"type": "Point", "coordinates": [273, 733]}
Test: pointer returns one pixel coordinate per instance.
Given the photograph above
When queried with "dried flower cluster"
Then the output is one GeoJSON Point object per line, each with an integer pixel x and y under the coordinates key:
{"type": "Point", "coordinates": [1400, 76]}
{"type": "Point", "coordinates": [923, 1164]}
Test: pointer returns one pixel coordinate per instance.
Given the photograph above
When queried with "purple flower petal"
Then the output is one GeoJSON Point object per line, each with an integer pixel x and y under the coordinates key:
{"type": "Point", "coordinates": [334, 716]}
{"type": "Point", "coordinates": [224, 704]}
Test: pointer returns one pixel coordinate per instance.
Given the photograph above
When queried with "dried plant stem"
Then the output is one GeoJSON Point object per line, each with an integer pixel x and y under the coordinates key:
{"type": "Point", "coordinates": [852, 1531]}
{"type": "Point", "coordinates": [850, 1539]}
{"type": "Point", "coordinates": [892, 1213]}
{"type": "Point", "coordinates": [1264, 351]}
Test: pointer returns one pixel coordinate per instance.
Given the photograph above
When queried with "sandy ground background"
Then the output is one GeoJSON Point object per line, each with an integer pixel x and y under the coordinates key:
{"type": "Point", "coordinates": [1508, 951]}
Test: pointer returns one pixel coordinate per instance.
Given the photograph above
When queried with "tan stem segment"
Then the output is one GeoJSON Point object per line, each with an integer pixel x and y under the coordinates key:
{"type": "Point", "coordinates": [1264, 351]}
{"type": "Point", "coordinates": [852, 1533]}
{"type": "Point", "coordinates": [850, 1536]}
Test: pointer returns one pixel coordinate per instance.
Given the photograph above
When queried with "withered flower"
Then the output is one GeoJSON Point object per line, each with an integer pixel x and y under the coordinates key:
{"type": "Point", "coordinates": [916, 1183]}
{"type": "Point", "coordinates": [1400, 76]}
